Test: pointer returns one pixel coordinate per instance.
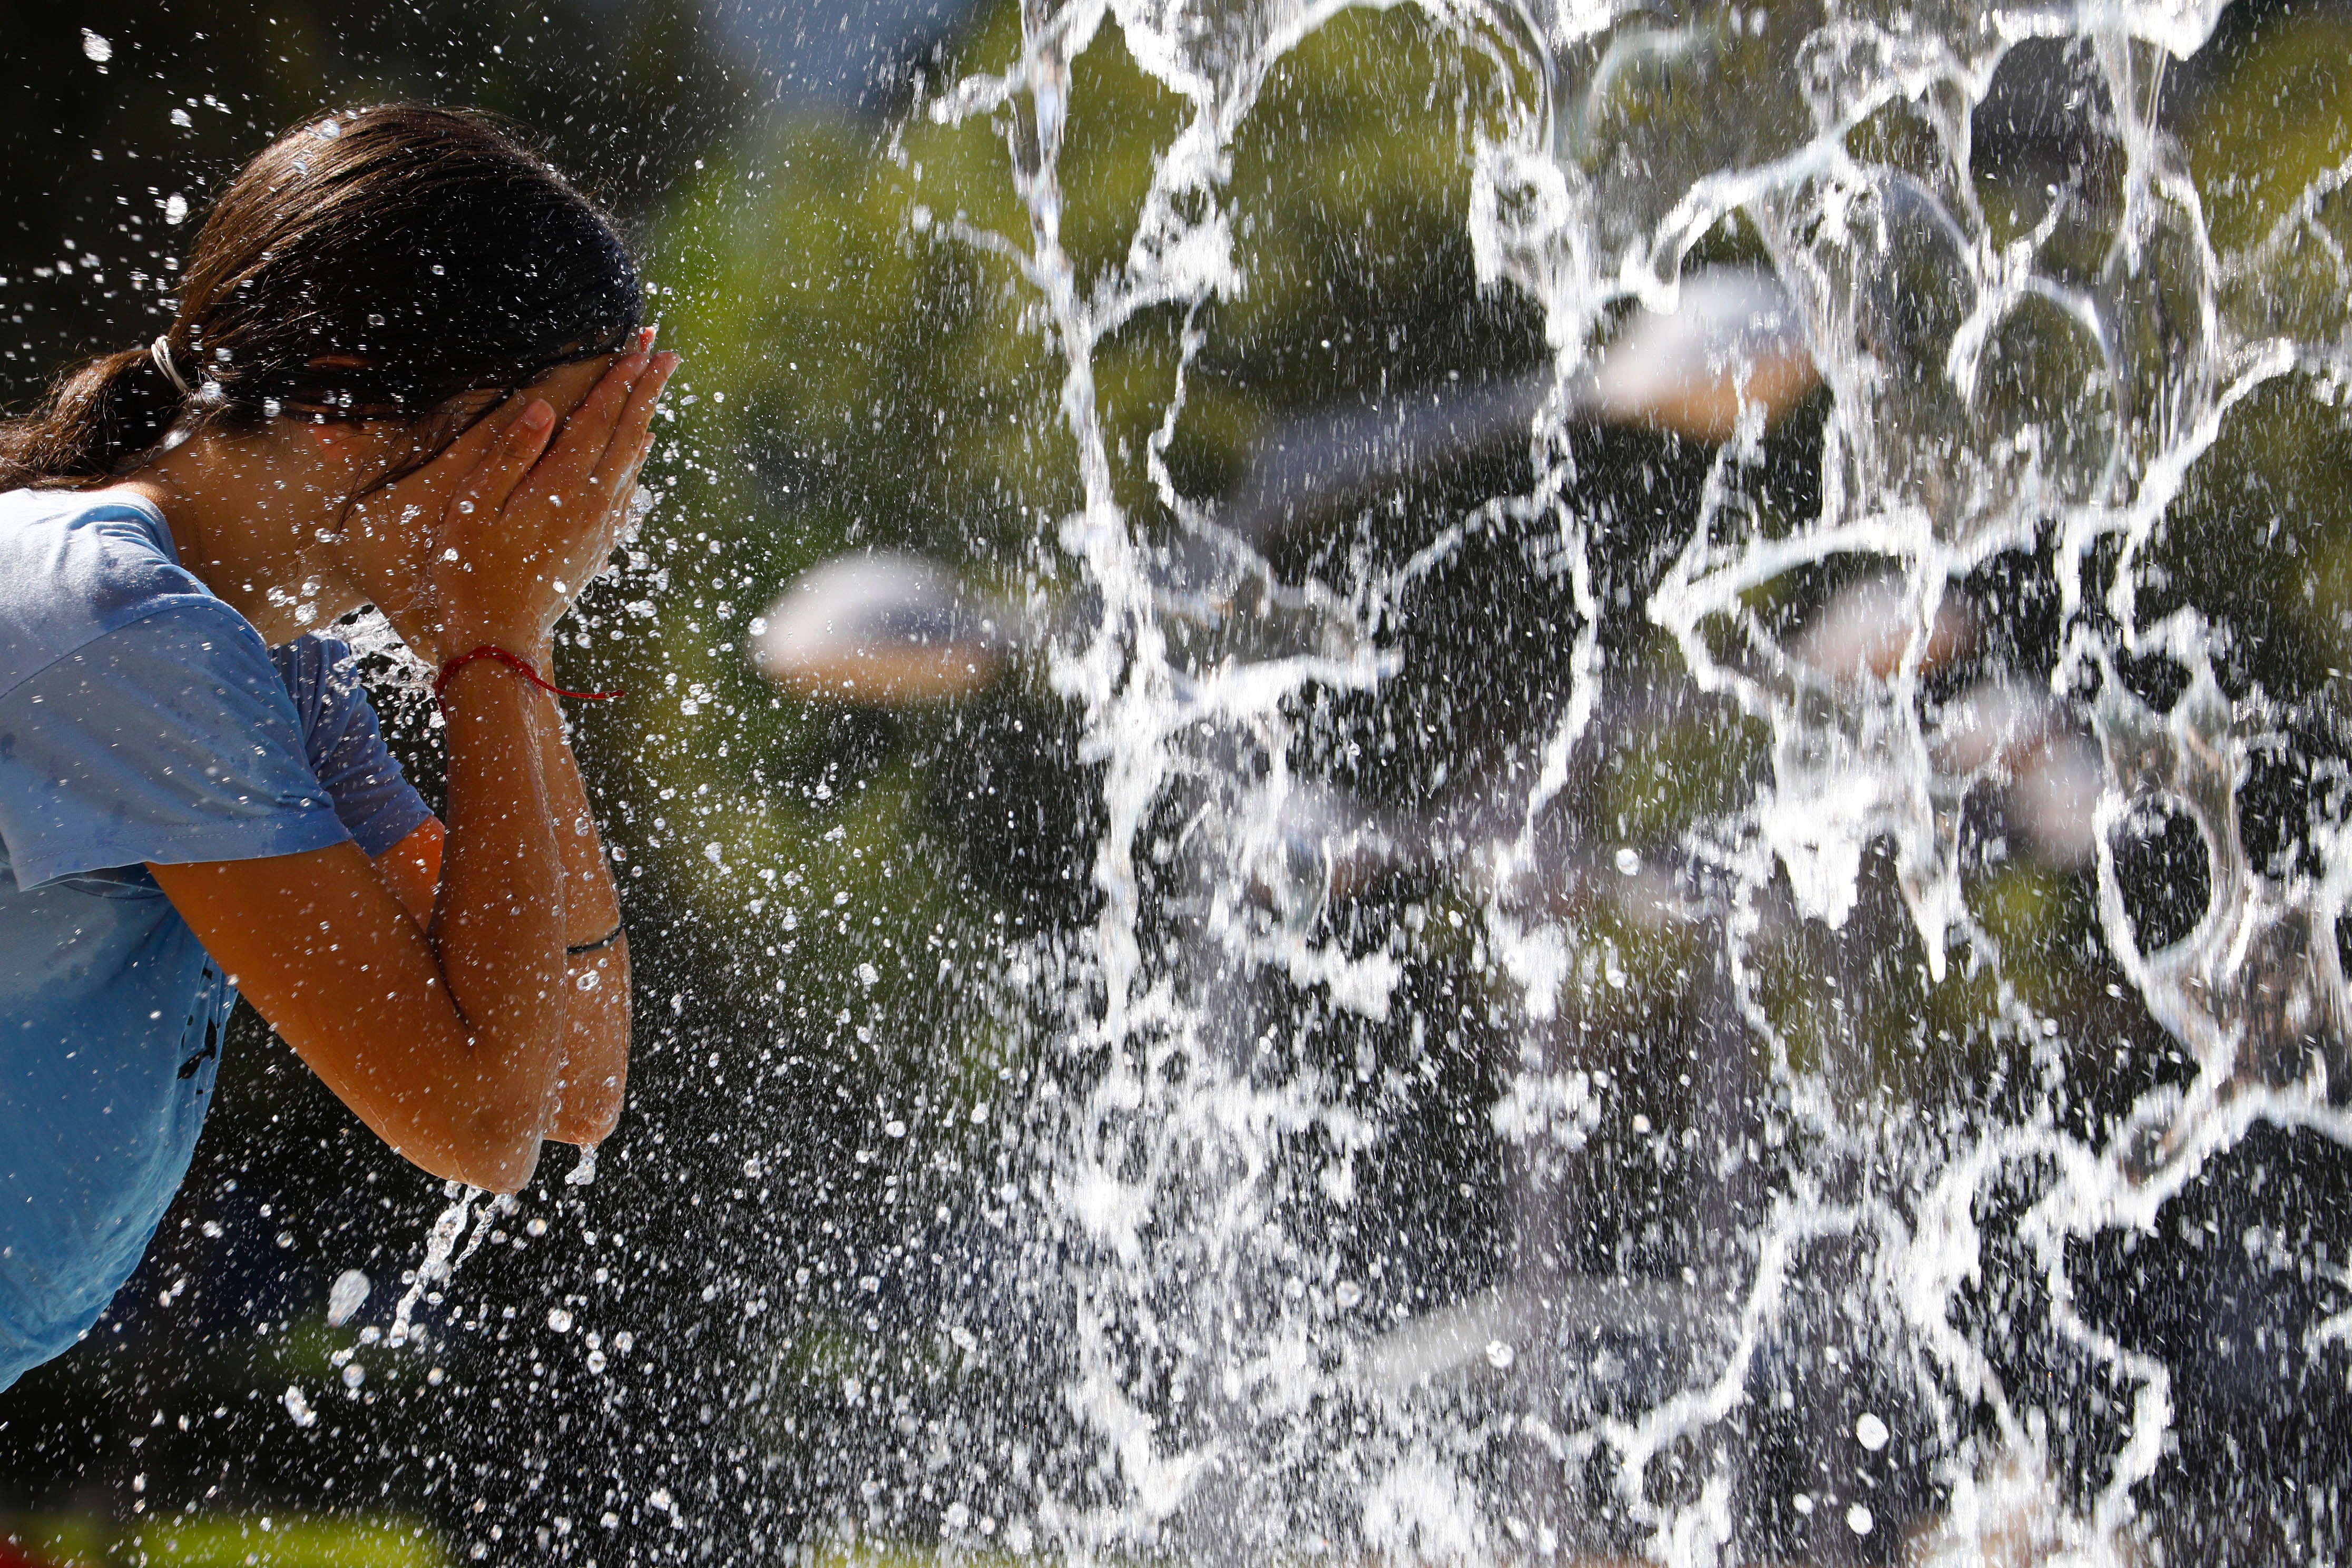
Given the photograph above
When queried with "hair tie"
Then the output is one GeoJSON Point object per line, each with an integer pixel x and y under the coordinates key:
{"type": "Point", "coordinates": [160, 350]}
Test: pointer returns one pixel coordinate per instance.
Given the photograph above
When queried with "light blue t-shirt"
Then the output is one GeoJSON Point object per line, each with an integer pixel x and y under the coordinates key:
{"type": "Point", "coordinates": [141, 719]}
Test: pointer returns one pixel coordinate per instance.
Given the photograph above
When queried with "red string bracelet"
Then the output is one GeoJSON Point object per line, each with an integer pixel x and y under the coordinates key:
{"type": "Point", "coordinates": [450, 667]}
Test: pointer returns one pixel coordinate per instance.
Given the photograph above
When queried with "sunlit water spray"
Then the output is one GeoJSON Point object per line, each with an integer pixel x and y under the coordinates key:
{"type": "Point", "coordinates": [2037, 382]}
{"type": "Point", "coordinates": [442, 1256]}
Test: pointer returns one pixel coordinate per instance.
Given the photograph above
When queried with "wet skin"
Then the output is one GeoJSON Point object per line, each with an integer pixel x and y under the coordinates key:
{"type": "Point", "coordinates": [431, 988]}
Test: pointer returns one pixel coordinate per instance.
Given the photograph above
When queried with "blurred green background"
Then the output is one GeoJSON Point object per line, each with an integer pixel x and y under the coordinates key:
{"type": "Point", "coordinates": [842, 1045]}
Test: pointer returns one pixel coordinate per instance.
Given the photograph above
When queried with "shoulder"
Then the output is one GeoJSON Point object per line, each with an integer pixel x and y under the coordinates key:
{"type": "Point", "coordinates": [74, 567]}
{"type": "Point", "coordinates": [318, 672]}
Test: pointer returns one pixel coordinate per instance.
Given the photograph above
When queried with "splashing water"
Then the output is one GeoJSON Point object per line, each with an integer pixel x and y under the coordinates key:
{"type": "Point", "coordinates": [1815, 1362]}
{"type": "Point", "coordinates": [439, 1266]}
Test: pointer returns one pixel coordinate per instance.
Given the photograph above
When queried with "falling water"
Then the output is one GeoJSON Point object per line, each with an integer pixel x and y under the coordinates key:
{"type": "Point", "coordinates": [1848, 1317]}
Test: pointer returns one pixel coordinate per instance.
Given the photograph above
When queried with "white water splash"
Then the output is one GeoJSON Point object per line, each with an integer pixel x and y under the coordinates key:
{"type": "Point", "coordinates": [1989, 392]}
{"type": "Point", "coordinates": [439, 1266]}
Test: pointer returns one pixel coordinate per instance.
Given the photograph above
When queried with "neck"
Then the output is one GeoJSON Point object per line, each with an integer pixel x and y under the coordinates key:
{"type": "Point", "coordinates": [249, 524]}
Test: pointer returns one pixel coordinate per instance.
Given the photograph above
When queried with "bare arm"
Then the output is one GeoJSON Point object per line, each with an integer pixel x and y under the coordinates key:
{"type": "Point", "coordinates": [446, 1043]}
{"type": "Point", "coordinates": [597, 984]}
{"type": "Point", "coordinates": [412, 868]}
{"type": "Point", "coordinates": [449, 1038]}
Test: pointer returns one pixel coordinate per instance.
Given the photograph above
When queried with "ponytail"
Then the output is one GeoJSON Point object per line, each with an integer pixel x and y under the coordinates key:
{"type": "Point", "coordinates": [97, 416]}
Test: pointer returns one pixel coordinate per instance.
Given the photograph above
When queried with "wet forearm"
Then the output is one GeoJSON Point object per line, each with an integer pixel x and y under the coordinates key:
{"type": "Point", "coordinates": [500, 922]}
{"type": "Point", "coordinates": [597, 985]}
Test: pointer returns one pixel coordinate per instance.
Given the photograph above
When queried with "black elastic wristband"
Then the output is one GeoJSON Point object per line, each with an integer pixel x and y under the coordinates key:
{"type": "Point", "coordinates": [607, 939]}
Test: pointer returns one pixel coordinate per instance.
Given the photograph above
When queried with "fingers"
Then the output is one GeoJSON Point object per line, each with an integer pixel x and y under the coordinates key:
{"type": "Point", "coordinates": [588, 433]}
{"type": "Point", "coordinates": [478, 435]}
{"type": "Point", "coordinates": [579, 465]}
{"type": "Point", "coordinates": [504, 465]}
{"type": "Point", "coordinates": [632, 431]}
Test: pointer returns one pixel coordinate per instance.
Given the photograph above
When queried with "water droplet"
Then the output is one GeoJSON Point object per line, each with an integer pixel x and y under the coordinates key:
{"type": "Point", "coordinates": [559, 1320]}
{"type": "Point", "coordinates": [1499, 1355]}
{"type": "Point", "coordinates": [1858, 1520]}
{"type": "Point", "coordinates": [96, 47]}
{"type": "Point", "coordinates": [299, 1406]}
{"type": "Point", "coordinates": [1629, 861]}
{"type": "Point", "coordinates": [1871, 1433]}
{"type": "Point", "coordinates": [345, 1296]}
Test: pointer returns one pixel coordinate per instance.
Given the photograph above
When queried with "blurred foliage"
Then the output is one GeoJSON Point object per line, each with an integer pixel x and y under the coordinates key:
{"type": "Point", "coordinates": [2274, 490]}
{"type": "Point", "coordinates": [2283, 118]}
{"type": "Point", "coordinates": [227, 1540]}
{"type": "Point", "coordinates": [284, 1541]}
{"type": "Point", "coordinates": [861, 378]}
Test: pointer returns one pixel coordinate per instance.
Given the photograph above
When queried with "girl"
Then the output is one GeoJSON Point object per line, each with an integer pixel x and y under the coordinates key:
{"type": "Point", "coordinates": [406, 369]}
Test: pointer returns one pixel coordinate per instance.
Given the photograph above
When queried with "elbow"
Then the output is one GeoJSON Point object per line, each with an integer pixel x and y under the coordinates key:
{"type": "Point", "coordinates": [495, 1150]}
{"type": "Point", "coordinates": [503, 1167]}
{"type": "Point", "coordinates": [589, 1098]}
{"type": "Point", "coordinates": [591, 1120]}
{"type": "Point", "coordinates": [507, 1170]}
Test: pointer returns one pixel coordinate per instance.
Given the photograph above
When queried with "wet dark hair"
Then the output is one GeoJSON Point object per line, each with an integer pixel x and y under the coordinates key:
{"type": "Point", "coordinates": [380, 263]}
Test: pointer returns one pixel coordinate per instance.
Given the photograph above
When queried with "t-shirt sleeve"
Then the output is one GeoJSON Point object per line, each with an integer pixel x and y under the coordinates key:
{"type": "Point", "coordinates": [169, 739]}
{"type": "Point", "coordinates": [344, 743]}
